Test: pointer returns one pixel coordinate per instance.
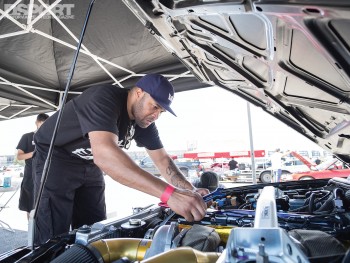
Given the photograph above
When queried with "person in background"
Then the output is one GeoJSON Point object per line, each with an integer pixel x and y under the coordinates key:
{"type": "Point", "coordinates": [208, 180]}
{"type": "Point", "coordinates": [233, 164]}
{"type": "Point", "coordinates": [317, 161]}
{"type": "Point", "coordinates": [94, 129]}
{"type": "Point", "coordinates": [276, 164]}
{"type": "Point", "coordinates": [25, 150]}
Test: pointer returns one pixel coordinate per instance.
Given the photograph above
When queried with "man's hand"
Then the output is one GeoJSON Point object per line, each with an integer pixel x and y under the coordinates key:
{"type": "Point", "coordinates": [202, 191]}
{"type": "Point", "coordinates": [188, 204]}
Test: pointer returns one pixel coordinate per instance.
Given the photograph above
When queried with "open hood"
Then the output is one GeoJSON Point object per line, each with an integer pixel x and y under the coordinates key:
{"type": "Point", "coordinates": [291, 58]}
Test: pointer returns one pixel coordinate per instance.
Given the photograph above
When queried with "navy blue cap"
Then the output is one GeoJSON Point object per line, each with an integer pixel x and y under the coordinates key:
{"type": "Point", "coordinates": [159, 88]}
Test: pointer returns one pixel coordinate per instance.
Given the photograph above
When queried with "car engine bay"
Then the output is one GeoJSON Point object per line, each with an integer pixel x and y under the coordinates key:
{"type": "Point", "coordinates": [301, 221]}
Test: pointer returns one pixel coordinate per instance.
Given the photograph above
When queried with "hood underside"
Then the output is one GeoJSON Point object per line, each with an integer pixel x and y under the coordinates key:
{"type": "Point", "coordinates": [291, 58]}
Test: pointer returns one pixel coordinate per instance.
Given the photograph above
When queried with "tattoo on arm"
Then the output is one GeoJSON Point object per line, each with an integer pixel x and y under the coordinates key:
{"type": "Point", "coordinates": [176, 177]}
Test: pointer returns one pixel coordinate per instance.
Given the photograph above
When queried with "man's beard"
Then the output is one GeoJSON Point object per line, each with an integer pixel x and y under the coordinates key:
{"type": "Point", "coordinates": [137, 112]}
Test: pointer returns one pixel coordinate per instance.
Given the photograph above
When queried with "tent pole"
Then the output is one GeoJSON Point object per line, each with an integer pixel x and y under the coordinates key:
{"type": "Point", "coordinates": [251, 143]}
{"type": "Point", "coordinates": [34, 212]}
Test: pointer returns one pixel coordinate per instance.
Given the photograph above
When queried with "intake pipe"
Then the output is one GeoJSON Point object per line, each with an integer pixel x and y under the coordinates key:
{"type": "Point", "coordinates": [116, 248]}
{"type": "Point", "coordinates": [184, 254]}
{"type": "Point", "coordinates": [106, 250]}
{"type": "Point", "coordinates": [134, 249]}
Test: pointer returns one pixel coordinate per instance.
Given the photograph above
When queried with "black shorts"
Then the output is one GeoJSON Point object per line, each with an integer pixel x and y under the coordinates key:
{"type": "Point", "coordinates": [26, 197]}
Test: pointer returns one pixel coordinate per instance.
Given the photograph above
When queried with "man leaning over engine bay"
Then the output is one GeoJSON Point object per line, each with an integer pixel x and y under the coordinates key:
{"type": "Point", "coordinates": [94, 127]}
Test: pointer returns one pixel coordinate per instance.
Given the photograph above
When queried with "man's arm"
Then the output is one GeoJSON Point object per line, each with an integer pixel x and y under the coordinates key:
{"type": "Point", "coordinates": [23, 156]}
{"type": "Point", "coordinates": [118, 165]}
{"type": "Point", "coordinates": [168, 169]}
{"type": "Point", "coordinates": [171, 172]}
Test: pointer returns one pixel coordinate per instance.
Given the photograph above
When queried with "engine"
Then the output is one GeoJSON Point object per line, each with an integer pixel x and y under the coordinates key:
{"type": "Point", "coordinates": [304, 221]}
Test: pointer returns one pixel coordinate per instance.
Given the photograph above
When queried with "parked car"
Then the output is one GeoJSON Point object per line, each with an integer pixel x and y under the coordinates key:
{"type": "Point", "coordinates": [294, 164]}
{"type": "Point", "coordinates": [328, 169]}
{"type": "Point", "coordinates": [225, 166]}
{"type": "Point", "coordinates": [263, 165]}
{"type": "Point", "coordinates": [206, 164]}
{"type": "Point", "coordinates": [185, 166]}
{"type": "Point", "coordinates": [224, 172]}
{"type": "Point", "coordinates": [219, 166]}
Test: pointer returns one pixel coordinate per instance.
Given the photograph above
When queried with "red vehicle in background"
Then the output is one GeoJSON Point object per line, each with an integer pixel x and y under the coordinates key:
{"type": "Point", "coordinates": [223, 165]}
{"type": "Point", "coordinates": [328, 169]}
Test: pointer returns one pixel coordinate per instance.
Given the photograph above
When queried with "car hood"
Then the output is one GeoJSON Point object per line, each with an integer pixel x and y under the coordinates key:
{"type": "Point", "coordinates": [291, 58]}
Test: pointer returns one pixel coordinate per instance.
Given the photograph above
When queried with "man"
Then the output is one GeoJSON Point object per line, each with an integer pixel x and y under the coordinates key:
{"type": "Point", "coordinates": [208, 180]}
{"type": "Point", "coordinates": [94, 128]}
{"type": "Point", "coordinates": [233, 164]}
{"type": "Point", "coordinates": [25, 150]}
{"type": "Point", "coordinates": [276, 164]}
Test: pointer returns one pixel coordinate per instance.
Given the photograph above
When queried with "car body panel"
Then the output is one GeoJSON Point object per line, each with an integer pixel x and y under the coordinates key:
{"type": "Point", "coordinates": [324, 174]}
{"type": "Point", "coordinates": [290, 58]}
{"type": "Point", "coordinates": [328, 169]}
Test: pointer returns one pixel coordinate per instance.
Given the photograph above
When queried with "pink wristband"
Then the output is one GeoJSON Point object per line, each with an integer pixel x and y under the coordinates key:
{"type": "Point", "coordinates": [167, 193]}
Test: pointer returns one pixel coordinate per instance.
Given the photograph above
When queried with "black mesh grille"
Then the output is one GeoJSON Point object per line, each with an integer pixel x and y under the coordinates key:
{"type": "Point", "coordinates": [76, 254]}
{"type": "Point", "coordinates": [318, 245]}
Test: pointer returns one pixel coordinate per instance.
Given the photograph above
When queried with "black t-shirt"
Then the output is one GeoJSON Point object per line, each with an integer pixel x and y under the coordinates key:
{"type": "Point", "coordinates": [99, 108]}
{"type": "Point", "coordinates": [26, 144]}
{"type": "Point", "coordinates": [233, 164]}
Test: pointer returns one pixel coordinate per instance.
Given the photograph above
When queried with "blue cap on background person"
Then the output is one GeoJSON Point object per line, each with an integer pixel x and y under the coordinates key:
{"type": "Point", "coordinates": [159, 88]}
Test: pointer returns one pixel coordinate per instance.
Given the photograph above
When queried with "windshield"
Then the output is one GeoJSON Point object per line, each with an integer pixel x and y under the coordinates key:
{"type": "Point", "coordinates": [324, 165]}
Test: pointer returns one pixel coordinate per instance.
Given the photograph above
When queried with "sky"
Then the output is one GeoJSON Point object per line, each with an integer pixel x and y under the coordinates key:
{"type": "Point", "coordinates": [210, 119]}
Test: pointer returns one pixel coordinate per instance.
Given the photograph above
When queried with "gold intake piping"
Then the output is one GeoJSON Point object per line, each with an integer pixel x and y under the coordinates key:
{"type": "Point", "coordinates": [184, 254]}
{"type": "Point", "coordinates": [134, 249]}
{"type": "Point", "coordinates": [116, 248]}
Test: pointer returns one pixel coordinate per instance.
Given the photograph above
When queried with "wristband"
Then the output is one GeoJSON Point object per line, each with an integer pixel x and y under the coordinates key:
{"type": "Point", "coordinates": [167, 193]}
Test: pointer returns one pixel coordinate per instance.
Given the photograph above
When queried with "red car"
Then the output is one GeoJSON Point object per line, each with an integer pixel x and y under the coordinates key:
{"type": "Point", "coordinates": [219, 168]}
{"type": "Point", "coordinates": [220, 165]}
{"type": "Point", "coordinates": [327, 169]}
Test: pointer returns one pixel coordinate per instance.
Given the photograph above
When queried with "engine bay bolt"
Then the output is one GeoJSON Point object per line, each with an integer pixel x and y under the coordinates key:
{"type": "Point", "coordinates": [261, 256]}
{"type": "Point", "coordinates": [135, 222]}
{"type": "Point", "coordinates": [84, 229]}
